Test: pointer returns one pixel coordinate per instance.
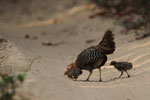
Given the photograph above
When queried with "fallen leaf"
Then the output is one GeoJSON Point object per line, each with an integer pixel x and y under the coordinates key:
{"type": "Point", "coordinates": [2, 40]}
{"type": "Point", "coordinates": [27, 36]}
{"type": "Point", "coordinates": [51, 44]}
{"type": "Point", "coordinates": [90, 41]}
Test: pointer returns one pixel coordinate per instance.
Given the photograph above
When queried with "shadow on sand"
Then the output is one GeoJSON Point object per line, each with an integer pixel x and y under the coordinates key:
{"type": "Point", "coordinates": [111, 80]}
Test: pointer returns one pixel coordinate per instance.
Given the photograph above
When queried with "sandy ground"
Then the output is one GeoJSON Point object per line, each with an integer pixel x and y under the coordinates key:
{"type": "Point", "coordinates": [66, 24]}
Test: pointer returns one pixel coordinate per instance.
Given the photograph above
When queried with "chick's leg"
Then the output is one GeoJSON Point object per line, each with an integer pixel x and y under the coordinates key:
{"type": "Point", "coordinates": [100, 76]}
{"type": "Point", "coordinates": [89, 76]}
{"type": "Point", "coordinates": [127, 74]}
{"type": "Point", "coordinates": [121, 74]}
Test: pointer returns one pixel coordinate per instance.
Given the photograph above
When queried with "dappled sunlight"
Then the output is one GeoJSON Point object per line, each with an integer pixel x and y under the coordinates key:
{"type": "Point", "coordinates": [142, 63]}
{"type": "Point", "coordinates": [140, 45]}
{"type": "Point", "coordinates": [59, 18]}
{"type": "Point", "coordinates": [139, 57]}
{"type": "Point", "coordinates": [43, 23]}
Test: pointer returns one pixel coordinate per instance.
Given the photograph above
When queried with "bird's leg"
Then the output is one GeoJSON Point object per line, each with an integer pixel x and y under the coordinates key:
{"type": "Point", "coordinates": [100, 74]}
{"type": "Point", "coordinates": [89, 76]}
{"type": "Point", "coordinates": [121, 74]}
{"type": "Point", "coordinates": [127, 74]}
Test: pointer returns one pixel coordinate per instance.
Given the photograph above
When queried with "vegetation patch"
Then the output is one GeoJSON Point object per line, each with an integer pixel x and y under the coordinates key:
{"type": "Point", "coordinates": [132, 14]}
{"type": "Point", "coordinates": [9, 84]}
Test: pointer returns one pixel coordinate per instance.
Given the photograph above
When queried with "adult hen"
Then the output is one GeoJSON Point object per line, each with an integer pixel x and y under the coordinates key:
{"type": "Point", "coordinates": [92, 58]}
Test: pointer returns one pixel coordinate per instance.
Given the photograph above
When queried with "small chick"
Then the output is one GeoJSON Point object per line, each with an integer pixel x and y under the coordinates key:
{"type": "Point", "coordinates": [122, 66]}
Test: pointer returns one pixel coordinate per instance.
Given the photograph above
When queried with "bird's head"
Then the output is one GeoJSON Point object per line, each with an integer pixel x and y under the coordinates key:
{"type": "Point", "coordinates": [72, 71]}
{"type": "Point", "coordinates": [113, 63]}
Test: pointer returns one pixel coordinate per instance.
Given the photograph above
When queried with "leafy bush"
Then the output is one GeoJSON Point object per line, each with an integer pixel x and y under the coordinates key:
{"type": "Point", "coordinates": [127, 7]}
{"type": "Point", "coordinates": [8, 85]}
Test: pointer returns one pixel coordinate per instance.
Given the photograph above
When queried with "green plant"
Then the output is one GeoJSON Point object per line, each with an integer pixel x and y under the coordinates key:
{"type": "Point", "coordinates": [8, 85]}
{"type": "Point", "coordinates": [10, 82]}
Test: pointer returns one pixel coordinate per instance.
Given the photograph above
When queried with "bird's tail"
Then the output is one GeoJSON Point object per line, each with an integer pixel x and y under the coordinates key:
{"type": "Point", "coordinates": [107, 45]}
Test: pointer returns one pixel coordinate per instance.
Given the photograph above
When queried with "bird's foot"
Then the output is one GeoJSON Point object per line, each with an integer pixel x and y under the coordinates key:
{"type": "Point", "coordinates": [129, 76]}
{"type": "Point", "coordinates": [100, 80]}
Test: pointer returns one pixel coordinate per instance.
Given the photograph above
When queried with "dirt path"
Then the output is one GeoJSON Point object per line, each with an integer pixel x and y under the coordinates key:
{"type": "Point", "coordinates": [70, 29]}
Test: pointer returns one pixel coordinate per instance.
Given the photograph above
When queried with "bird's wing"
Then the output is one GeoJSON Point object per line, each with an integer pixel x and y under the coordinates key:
{"type": "Point", "coordinates": [89, 57]}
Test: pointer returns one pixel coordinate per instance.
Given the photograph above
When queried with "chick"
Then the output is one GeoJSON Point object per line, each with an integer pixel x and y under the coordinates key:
{"type": "Point", "coordinates": [122, 67]}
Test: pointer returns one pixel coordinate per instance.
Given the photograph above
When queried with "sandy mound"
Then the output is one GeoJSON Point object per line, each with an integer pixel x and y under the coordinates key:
{"type": "Point", "coordinates": [12, 60]}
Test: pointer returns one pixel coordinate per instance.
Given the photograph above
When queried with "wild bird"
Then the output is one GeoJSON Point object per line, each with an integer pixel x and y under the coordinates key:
{"type": "Point", "coordinates": [92, 58]}
{"type": "Point", "coordinates": [122, 67]}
